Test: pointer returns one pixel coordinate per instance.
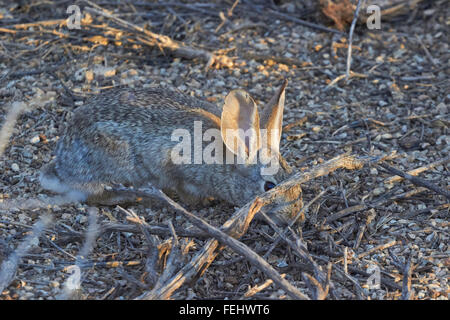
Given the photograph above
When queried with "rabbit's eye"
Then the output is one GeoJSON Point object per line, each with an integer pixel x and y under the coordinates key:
{"type": "Point", "coordinates": [268, 185]}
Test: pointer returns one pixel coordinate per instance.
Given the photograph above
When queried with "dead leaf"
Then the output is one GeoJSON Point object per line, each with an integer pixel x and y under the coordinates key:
{"type": "Point", "coordinates": [98, 40]}
{"type": "Point", "coordinates": [340, 11]}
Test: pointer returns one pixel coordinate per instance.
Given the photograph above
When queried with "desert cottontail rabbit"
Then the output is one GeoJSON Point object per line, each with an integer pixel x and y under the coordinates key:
{"type": "Point", "coordinates": [132, 137]}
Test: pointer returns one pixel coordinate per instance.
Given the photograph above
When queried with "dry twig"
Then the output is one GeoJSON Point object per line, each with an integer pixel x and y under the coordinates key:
{"type": "Point", "coordinates": [5, 133]}
{"type": "Point", "coordinates": [416, 180]}
{"type": "Point", "coordinates": [166, 43]}
{"type": "Point", "coordinates": [416, 171]}
{"type": "Point", "coordinates": [350, 39]}
{"type": "Point", "coordinates": [9, 266]}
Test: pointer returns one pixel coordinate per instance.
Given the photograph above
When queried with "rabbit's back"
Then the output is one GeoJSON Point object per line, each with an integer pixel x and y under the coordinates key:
{"type": "Point", "coordinates": [148, 109]}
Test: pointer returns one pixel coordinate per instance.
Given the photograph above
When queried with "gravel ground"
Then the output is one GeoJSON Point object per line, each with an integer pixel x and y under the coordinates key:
{"type": "Point", "coordinates": [397, 101]}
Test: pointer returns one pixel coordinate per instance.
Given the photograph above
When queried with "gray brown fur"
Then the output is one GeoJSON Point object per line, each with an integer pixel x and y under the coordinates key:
{"type": "Point", "coordinates": [123, 136]}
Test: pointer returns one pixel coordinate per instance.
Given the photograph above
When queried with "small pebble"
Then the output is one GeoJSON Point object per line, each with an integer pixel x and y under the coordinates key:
{"type": "Point", "coordinates": [35, 139]}
{"type": "Point", "coordinates": [378, 191]}
{"type": "Point", "coordinates": [15, 167]}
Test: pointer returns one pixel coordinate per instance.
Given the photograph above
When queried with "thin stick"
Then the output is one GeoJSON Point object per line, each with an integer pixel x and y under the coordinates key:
{"type": "Point", "coordinates": [428, 54]}
{"type": "Point", "coordinates": [407, 273]}
{"type": "Point", "coordinates": [377, 248]}
{"type": "Point", "coordinates": [254, 290]}
{"type": "Point", "coordinates": [33, 203]}
{"type": "Point", "coordinates": [73, 283]}
{"type": "Point", "coordinates": [246, 26]}
{"type": "Point", "coordinates": [284, 233]}
{"type": "Point", "coordinates": [5, 133]}
{"type": "Point", "coordinates": [417, 181]}
{"type": "Point", "coordinates": [230, 11]}
{"type": "Point", "coordinates": [416, 171]}
{"type": "Point", "coordinates": [300, 249]}
{"type": "Point", "coordinates": [345, 260]}
{"type": "Point", "coordinates": [303, 22]}
{"type": "Point", "coordinates": [350, 39]}
{"type": "Point", "coordinates": [388, 282]}
{"type": "Point", "coordinates": [9, 266]}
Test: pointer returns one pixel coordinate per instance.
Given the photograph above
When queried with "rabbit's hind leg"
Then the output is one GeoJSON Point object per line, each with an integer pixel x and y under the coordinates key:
{"type": "Point", "coordinates": [50, 180]}
{"type": "Point", "coordinates": [111, 197]}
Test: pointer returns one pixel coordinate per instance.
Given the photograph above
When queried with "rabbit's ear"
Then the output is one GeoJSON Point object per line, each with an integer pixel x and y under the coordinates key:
{"type": "Point", "coordinates": [272, 118]}
{"type": "Point", "coordinates": [240, 125]}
